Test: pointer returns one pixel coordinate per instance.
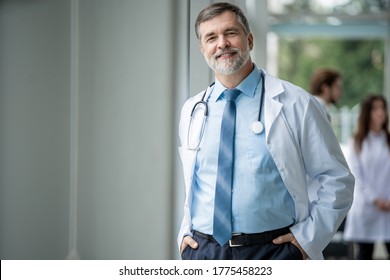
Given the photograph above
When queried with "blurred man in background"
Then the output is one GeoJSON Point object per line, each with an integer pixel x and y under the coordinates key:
{"type": "Point", "coordinates": [326, 86]}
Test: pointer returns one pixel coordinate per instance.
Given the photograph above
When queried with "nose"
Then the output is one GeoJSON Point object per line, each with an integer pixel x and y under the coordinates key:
{"type": "Point", "coordinates": [223, 43]}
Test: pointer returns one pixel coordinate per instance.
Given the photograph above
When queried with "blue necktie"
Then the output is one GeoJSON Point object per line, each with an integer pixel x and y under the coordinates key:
{"type": "Point", "coordinates": [222, 231]}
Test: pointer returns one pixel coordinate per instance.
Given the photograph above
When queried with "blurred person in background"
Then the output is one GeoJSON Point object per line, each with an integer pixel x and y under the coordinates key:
{"type": "Point", "coordinates": [326, 87]}
{"type": "Point", "coordinates": [368, 221]}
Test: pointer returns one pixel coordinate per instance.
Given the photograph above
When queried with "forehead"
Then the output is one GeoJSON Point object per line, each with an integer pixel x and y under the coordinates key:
{"type": "Point", "coordinates": [378, 103]}
{"type": "Point", "coordinates": [219, 23]}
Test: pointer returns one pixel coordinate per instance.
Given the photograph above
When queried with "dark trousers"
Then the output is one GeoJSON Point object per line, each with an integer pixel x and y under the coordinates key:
{"type": "Point", "coordinates": [211, 250]}
{"type": "Point", "coordinates": [365, 250]}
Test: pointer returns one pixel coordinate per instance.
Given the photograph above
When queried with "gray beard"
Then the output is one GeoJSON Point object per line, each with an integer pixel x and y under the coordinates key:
{"type": "Point", "coordinates": [229, 66]}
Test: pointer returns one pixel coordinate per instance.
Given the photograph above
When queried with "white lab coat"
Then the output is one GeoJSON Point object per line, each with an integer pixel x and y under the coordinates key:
{"type": "Point", "coordinates": [300, 141]}
{"type": "Point", "coordinates": [365, 222]}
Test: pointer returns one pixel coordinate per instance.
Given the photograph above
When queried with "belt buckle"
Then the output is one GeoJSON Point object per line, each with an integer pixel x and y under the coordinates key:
{"type": "Point", "coordinates": [235, 245]}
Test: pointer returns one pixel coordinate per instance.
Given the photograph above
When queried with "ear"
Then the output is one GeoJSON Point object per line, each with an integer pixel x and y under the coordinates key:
{"type": "Point", "coordinates": [250, 41]}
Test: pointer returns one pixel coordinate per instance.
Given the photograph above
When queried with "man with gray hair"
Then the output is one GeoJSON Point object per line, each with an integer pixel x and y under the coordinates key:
{"type": "Point", "coordinates": [247, 144]}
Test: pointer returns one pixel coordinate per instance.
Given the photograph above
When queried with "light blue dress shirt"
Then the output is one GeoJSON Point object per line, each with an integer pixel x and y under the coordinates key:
{"type": "Point", "coordinates": [260, 200]}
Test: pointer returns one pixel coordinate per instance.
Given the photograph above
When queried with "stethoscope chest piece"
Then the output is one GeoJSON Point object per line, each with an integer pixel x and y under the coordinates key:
{"type": "Point", "coordinates": [257, 127]}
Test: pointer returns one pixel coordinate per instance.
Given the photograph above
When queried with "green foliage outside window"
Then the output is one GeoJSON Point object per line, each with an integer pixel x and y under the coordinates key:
{"type": "Point", "coordinates": [361, 63]}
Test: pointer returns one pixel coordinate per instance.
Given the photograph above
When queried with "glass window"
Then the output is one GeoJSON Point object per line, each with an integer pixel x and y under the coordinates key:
{"type": "Point", "coordinates": [361, 63]}
{"type": "Point", "coordinates": [347, 35]}
{"type": "Point", "coordinates": [320, 7]}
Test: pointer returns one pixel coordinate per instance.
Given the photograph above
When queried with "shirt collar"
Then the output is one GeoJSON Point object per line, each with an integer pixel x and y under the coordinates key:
{"type": "Point", "coordinates": [247, 86]}
{"type": "Point", "coordinates": [375, 135]}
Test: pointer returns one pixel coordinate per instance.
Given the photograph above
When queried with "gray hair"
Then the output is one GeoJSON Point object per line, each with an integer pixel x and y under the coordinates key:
{"type": "Point", "coordinates": [218, 8]}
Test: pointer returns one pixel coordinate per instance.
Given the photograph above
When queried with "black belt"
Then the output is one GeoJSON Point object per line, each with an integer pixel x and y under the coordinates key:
{"type": "Point", "coordinates": [243, 239]}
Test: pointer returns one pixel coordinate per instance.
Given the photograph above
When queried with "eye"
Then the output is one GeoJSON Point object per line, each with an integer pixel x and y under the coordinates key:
{"type": "Point", "coordinates": [210, 39]}
{"type": "Point", "coordinates": [231, 33]}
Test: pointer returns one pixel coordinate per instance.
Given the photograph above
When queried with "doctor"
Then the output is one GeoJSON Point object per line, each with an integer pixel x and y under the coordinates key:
{"type": "Point", "coordinates": [368, 221]}
{"type": "Point", "coordinates": [279, 137]}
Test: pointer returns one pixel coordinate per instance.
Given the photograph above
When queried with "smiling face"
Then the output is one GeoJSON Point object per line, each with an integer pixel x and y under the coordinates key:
{"type": "Point", "coordinates": [224, 44]}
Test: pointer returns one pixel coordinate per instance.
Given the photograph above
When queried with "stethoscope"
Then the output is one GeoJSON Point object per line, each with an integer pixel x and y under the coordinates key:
{"type": "Point", "coordinates": [256, 126]}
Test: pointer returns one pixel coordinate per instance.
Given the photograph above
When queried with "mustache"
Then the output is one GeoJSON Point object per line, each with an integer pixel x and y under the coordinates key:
{"type": "Point", "coordinates": [225, 51]}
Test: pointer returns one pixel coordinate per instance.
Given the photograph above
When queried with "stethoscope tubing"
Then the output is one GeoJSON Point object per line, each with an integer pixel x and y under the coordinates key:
{"type": "Point", "coordinates": [203, 103]}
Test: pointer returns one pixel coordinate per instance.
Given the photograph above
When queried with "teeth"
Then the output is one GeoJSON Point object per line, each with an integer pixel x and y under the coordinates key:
{"type": "Point", "coordinates": [225, 54]}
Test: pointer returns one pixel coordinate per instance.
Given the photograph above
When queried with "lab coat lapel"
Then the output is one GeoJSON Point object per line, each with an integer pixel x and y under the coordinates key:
{"type": "Point", "coordinates": [272, 106]}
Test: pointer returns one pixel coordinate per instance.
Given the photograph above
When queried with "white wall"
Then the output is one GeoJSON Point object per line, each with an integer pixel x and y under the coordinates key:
{"type": "Point", "coordinates": [125, 129]}
{"type": "Point", "coordinates": [34, 129]}
{"type": "Point", "coordinates": [96, 102]}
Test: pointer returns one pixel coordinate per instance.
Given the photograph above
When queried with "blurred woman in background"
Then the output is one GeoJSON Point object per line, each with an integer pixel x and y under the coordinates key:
{"type": "Point", "coordinates": [368, 221]}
